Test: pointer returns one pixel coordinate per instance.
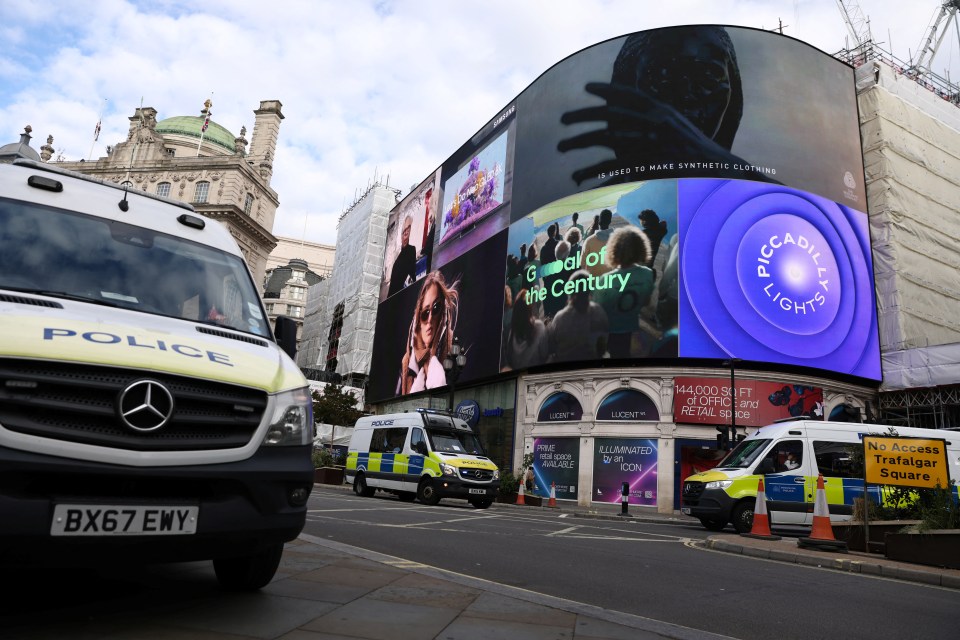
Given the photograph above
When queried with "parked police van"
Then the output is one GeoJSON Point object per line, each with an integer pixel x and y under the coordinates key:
{"type": "Point", "coordinates": [147, 412]}
{"type": "Point", "coordinates": [427, 455]}
{"type": "Point", "coordinates": [789, 456]}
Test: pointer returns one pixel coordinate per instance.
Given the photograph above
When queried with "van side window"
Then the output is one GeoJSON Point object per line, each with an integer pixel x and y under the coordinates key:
{"type": "Point", "coordinates": [839, 459]}
{"type": "Point", "coordinates": [785, 456]}
{"type": "Point", "coordinates": [389, 440]}
{"type": "Point", "coordinates": [418, 442]}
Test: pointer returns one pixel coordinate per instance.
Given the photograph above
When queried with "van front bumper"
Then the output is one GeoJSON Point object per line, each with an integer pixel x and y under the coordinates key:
{"type": "Point", "coordinates": [710, 504]}
{"type": "Point", "coordinates": [454, 488]}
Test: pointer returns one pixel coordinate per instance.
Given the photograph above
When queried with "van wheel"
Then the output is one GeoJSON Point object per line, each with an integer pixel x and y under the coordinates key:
{"type": "Point", "coordinates": [360, 487]}
{"type": "Point", "coordinates": [481, 504]}
{"type": "Point", "coordinates": [248, 573]}
{"type": "Point", "coordinates": [406, 496]}
{"type": "Point", "coordinates": [742, 516]}
{"type": "Point", "coordinates": [713, 525]}
{"type": "Point", "coordinates": [427, 493]}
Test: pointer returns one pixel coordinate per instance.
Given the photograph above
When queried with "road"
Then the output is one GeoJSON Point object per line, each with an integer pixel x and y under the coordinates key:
{"type": "Point", "coordinates": [655, 570]}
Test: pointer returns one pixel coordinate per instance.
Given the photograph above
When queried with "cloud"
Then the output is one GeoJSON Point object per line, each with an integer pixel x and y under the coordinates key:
{"type": "Point", "coordinates": [368, 87]}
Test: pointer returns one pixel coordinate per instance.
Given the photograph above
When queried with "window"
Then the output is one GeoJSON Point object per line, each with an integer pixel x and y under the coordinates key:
{"type": "Point", "coordinates": [200, 195]}
{"type": "Point", "coordinates": [294, 312]}
{"type": "Point", "coordinates": [296, 293]}
{"type": "Point", "coordinates": [298, 275]}
{"type": "Point", "coordinates": [785, 456]}
{"type": "Point", "coordinates": [163, 189]}
{"type": "Point", "coordinates": [248, 204]}
{"type": "Point", "coordinates": [418, 441]}
{"type": "Point", "coordinates": [388, 440]}
{"type": "Point", "coordinates": [839, 459]}
{"type": "Point", "coordinates": [270, 308]}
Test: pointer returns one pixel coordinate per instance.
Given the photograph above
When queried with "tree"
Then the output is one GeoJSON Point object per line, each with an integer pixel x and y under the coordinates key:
{"type": "Point", "coordinates": [335, 406]}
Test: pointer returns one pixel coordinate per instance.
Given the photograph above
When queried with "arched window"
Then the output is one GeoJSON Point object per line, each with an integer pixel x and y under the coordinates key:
{"type": "Point", "coordinates": [200, 195]}
{"type": "Point", "coordinates": [163, 189]}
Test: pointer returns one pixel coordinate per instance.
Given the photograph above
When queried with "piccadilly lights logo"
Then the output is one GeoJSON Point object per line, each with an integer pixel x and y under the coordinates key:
{"type": "Point", "coordinates": [789, 274]}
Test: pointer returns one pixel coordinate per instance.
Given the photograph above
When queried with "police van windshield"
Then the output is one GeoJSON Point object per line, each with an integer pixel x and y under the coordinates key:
{"type": "Point", "coordinates": [744, 454]}
{"type": "Point", "coordinates": [73, 256]}
{"type": "Point", "coordinates": [455, 442]}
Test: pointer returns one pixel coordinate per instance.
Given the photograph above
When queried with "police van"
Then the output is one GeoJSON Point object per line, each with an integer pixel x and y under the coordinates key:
{"type": "Point", "coordinates": [789, 456]}
{"type": "Point", "coordinates": [425, 455]}
{"type": "Point", "coordinates": [147, 411]}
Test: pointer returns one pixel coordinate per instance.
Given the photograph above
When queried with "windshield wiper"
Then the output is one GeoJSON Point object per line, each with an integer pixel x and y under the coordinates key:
{"type": "Point", "coordinates": [66, 295]}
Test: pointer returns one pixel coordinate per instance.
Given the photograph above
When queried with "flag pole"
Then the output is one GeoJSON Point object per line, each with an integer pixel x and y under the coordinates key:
{"type": "Point", "coordinates": [206, 120]}
{"type": "Point", "coordinates": [96, 131]}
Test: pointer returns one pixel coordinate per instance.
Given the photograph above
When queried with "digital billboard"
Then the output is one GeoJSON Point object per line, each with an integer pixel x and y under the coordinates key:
{"type": "Point", "coordinates": [689, 192]}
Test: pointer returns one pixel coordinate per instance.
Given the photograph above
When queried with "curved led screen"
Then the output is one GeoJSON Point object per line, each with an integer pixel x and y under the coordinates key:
{"type": "Point", "coordinates": [690, 192]}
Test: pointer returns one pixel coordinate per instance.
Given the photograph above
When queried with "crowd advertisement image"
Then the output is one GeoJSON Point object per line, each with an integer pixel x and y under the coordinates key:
{"type": "Point", "coordinates": [662, 196]}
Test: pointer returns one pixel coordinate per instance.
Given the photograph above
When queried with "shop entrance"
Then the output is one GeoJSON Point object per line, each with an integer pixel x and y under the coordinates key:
{"type": "Point", "coordinates": [690, 457]}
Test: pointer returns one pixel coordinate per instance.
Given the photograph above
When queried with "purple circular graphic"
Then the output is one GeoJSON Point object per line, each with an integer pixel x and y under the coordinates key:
{"type": "Point", "coordinates": [777, 275]}
{"type": "Point", "coordinates": [788, 273]}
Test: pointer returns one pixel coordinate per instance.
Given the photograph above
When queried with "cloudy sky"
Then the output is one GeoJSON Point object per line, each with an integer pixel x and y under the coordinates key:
{"type": "Point", "coordinates": [370, 88]}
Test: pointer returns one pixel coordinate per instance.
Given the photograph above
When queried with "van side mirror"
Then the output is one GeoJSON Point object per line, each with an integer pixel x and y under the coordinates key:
{"type": "Point", "coordinates": [421, 448]}
{"type": "Point", "coordinates": [285, 331]}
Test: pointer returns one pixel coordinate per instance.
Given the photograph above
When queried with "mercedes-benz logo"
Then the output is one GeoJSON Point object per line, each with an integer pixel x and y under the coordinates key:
{"type": "Point", "coordinates": [145, 405]}
{"type": "Point", "coordinates": [478, 473]}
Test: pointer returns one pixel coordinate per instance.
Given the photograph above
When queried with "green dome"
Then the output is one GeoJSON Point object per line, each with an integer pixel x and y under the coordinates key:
{"type": "Point", "coordinates": [190, 126]}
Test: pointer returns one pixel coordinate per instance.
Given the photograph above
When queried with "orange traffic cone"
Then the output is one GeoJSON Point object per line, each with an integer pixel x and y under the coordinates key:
{"type": "Point", "coordinates": [821, 536]}
{"type": "Point", "coordinates": [552, 502]}
{"type": "Point", "coordinates": [520, 499]}
{"type": "Point", "coordinates": [761, 521]}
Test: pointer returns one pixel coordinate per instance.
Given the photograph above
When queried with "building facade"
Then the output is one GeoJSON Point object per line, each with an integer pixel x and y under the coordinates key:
{"type": "Point", "coordinates": [193, 159]}
{"type": "Point", "coordinates": [817, 278]}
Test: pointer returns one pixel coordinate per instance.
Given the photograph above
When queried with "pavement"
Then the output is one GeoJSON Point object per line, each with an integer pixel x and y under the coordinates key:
{"type": "Point", "coordinates": [326, 590]}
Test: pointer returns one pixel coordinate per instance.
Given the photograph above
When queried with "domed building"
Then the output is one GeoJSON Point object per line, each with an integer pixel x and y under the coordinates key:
{"type": "Point", "coordinates": [196, 160]}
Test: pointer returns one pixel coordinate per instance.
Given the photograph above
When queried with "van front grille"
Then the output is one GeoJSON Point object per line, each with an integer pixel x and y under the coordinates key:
{"type": "Point", "coordinates": [79, 403]}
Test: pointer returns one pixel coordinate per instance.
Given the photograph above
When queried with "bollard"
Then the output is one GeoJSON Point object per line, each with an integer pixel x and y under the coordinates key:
{"type": "Point", "coordinates": [624, 497]}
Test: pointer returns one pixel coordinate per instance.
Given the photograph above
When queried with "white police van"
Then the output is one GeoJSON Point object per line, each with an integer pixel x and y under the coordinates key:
{"type": "Point", "coordinates": [147, 412]}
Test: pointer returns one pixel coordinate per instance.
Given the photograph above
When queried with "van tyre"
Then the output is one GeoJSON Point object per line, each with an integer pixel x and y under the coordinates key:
{"type": "Point", "coordinates": [427, 493]}
{"type": "Point", "coordinates": [742, 516]}
{"type": "Point", "coordinates": [360, 487]}
{"type": "Point", "coordinates": [248, 573]}
{"type": "Point", "coordinates": [713, 525]}
{"type": "Point", "coordinates": [481, 504]}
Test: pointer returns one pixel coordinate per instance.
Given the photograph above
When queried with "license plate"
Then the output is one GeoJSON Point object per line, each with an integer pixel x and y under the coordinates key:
{"type": "Point", "coordinates": [481, 492]}
{"type": "Point", "coordinates": [123, 520]}
{"type": "Point", "coordinates": [685, 510]}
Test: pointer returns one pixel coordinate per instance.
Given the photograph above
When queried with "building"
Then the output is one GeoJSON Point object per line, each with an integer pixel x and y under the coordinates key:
{"type": "Point", "coordinates": [196, 160]}
{"type": "Point", "coordinates": [342, 310]}
{"type": "Point", "coordinates": [285, 290]}
{"type": "Point", "coordinates": [319, 257]}
{"type": "Point", "coordinates": [806, 264]}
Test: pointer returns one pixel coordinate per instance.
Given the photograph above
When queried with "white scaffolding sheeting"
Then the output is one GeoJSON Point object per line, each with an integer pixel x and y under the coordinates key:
{"type": "Point", "coordinates": [912, 155]}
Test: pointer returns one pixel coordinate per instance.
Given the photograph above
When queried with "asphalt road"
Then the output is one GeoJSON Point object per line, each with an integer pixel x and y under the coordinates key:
{"type": "Point", "coordinates": [655, 570]}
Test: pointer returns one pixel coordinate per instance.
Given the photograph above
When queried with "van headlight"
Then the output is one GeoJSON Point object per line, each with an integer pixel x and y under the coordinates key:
{"type": "Point", "coordinates": [718, 484]}
{"type": "Point", "coordinates": [292, 420]}
{"type": "Point", "coordinates": [496, 474]}
{"type": "Point", "coordinates": [448, 469]}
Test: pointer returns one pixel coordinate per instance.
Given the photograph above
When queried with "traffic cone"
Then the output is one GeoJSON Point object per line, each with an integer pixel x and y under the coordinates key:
{"type": "Point", "coordinates": [552, 502]}
{"type": "Point", "coordinates": [520, 499]}
{"type": "Point", "coordinates": [761, 521]}
{"type": "Point", "coordinates": [821, 536]}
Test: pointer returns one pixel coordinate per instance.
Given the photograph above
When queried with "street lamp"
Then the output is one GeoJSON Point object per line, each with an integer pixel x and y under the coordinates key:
{"type": "Point", "coordinates": [733, 400]}
{"type": "Point", "coordinates": [453, 364]}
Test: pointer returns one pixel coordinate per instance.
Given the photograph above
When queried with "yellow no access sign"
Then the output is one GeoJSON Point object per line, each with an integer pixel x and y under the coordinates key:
{"type": "Point", "coordinates": [906, 462]}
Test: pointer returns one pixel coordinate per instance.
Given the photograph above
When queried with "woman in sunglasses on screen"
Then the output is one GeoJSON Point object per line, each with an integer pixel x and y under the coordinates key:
{"type": "Point", "coordinates": [430, 336]}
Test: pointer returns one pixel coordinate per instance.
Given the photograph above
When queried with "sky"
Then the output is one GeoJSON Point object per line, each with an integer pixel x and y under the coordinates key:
{"type": "Point", "coordinates": [371, 89]}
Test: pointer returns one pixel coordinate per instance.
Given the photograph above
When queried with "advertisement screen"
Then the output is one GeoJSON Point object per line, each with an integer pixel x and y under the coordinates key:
{"type": "Point", "coordinates": [410, 237]}
{"type": "Point", "coordinates": [759, 403]}
{"type": "Point", "coordinates": [689, 192]}
{"type": "Point", "coordinates": [630, 460]}
{"type": "Point", "coordinates": [556, 462]}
